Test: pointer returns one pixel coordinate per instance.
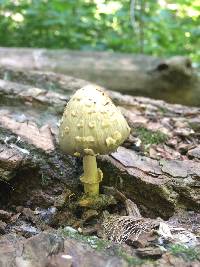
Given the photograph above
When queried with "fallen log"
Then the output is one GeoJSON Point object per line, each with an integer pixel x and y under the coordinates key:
{"type": "Point", "coordinates": [158, 167]}
{"type": "Point", "coordinates": [172, 79]}
{"type": "Point", "coordinates": [162, 176]}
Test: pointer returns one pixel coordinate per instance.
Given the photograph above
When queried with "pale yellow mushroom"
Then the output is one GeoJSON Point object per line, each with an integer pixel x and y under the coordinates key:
{"type": "Point", "coordinates": [87, 129]}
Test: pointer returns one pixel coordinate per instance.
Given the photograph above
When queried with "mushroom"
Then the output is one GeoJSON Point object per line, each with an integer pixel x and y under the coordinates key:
{"type": "Point", "coordinates": [91, 125]}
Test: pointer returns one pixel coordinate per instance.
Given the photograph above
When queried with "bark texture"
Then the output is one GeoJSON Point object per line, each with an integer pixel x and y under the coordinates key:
{"type": "Point", "coordinates": [158, 167]}
{"type": "Point", "coordinates": [163, 175]}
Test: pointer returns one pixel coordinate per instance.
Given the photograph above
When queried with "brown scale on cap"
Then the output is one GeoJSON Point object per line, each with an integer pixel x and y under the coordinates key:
{"type": "Point", "coordinates": [73, 113]}
{"type": "Point", "coordinates": [91, 124]}
{"type": "Point", "coordinates": [66, 130]}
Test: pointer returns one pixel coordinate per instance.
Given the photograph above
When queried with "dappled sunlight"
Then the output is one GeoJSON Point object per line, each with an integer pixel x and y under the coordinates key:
{"type": "Point", "coordinates": [107, 7]}
{"type": "Point", "coordinates": [17, 17]}
{"type": "Point", "coordinates": [157, 28]}
{"type": "Point", "coordinates": [182, 9]}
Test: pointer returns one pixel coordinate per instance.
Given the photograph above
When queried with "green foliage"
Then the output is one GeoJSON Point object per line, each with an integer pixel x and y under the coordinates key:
{"type": "Point", "coordinates": [149, 137]}
{"type": "Point", "coordinates": [188, 254]}
{"type": "Point", "coordinates": [160, 28]}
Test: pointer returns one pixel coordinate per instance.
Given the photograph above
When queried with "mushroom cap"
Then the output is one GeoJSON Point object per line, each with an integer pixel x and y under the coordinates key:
{"type": "Point", "coordinates": [91, 124]}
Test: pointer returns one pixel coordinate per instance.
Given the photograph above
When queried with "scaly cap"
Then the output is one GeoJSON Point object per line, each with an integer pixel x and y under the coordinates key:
{"type": "Point", "coordinates": [91, 124]}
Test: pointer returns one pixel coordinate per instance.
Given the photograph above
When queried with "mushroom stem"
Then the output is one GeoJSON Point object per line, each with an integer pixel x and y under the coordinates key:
{"type": "Point", "coordinates": [92, 176]}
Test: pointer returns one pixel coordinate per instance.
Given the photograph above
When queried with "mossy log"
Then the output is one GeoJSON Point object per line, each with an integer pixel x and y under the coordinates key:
{"type": "Point", "coordinates": [173, 79]}
{"type": "Point", "coordinates": [159, 174]}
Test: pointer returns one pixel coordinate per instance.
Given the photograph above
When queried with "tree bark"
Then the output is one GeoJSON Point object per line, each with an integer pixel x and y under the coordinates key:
{"type": "Point", "coordinates": [160, 178]}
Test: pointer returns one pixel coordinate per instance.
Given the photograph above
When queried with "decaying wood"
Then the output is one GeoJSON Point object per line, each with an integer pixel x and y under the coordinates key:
{"type": "Point", "coordinates": [39, 185]}
{"type": "Point", "coordinates": [134, 74]}
{"type": "Point", "coordinates": [41, 79]}
{"type": "Point", "coordinates": [160, 181]}
{"type": "Point", "coordinates": [50, 249]}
